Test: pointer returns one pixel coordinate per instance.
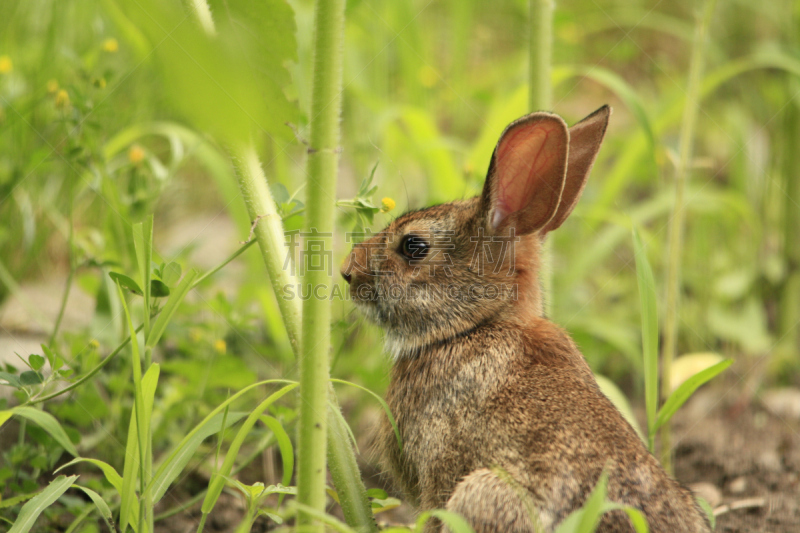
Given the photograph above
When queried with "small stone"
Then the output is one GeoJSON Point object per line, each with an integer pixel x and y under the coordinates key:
{"type": "Point", "coordinates": [783, 403]}
{"type": "Point", "coordinates": [770, 461]}
{"type": "Point", "coordinates": [738, 485]}
{"type": "Point", "coordinates": [708, 491]}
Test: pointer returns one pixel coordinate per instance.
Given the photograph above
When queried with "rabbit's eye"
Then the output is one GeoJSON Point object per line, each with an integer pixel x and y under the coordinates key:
{"type": "Point", "coordinates": [414, 247]}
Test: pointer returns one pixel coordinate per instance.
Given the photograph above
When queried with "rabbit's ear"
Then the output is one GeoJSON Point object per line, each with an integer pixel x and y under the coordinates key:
{"type": "Point", "coordinates": [585, 138]}
{"type": "Point", "coordinates": [526, 175]}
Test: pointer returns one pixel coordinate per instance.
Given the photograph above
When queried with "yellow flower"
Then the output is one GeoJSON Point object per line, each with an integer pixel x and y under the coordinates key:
{"type": "Point", "coordinates": [110, 45]}
{"type": "Point", "coordinates": [135, 154]}
{"type": "Point", "coordinates": [428, 76]}
{"type": "Point", "coordinates": [62, 99]}
{"type": "Point", "coordinates": [100, 83]}
{"type": "Point", "coordinates": [94, 344]}
{"type": "Point", "coordinates": [52, 86]}
{"type": "Point", "coordinates": [6, 65]}
{"type": "Point", "coordinates": [387, 204]}
{"type": "Point", "coordinates": [220, 346]}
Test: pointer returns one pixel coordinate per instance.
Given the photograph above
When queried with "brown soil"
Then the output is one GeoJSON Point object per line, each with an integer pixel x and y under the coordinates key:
{"type": "Point", "coordinates": [750, 455]}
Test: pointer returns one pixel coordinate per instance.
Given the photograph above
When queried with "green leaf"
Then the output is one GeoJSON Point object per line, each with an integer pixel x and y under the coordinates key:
{"type": "Point", "coordinates": [454, 522]}
{"type": "Point", "coordinates": [11, 502]}
{"type": "Point", "coordinates": [687, 388]}
{"type": "Point", "coordinates": [707, 509]}
{"type": "Point", "coordinates": [379, 494]}
{"type": "Point", "coordinates": [47, 422]}
{"type": "Point", "coordinates": [158, 289]}
{"type": "Point", "coordinates": [649, 311]}
{"type": "Point", "coordinates": [29, 377]}
{"type": "Point", "coordinates": [284, 445]}
{"type": "Point", "coordinates": [101, 505]}
{"type": "Point", "coordinates": [31, 510]}
{"type": "Point", "coordinates": [52, 358]}
{"type": "Point", "coordinates": [108, 471]}
{"type": "Point", "coordinates": [12, 380]}
{"type": "Point", "coordinates": [177, 461]}
{"type": "Point", "coordinates": [126, 282]}
{"type": "Point", "coordinates": [36, 361]}
{"type": "Point", "coordinates": [171, 273]}
{"type": "Point", "coordinates": [169, 309]}
{"type": "Point", "coordinates": [230, 83]}
{"type": "Point", "coordinates": [585, 519]}
{"type": "Point", "coordinates": [135, 444]}
{"type": "Point", "coordinates": [382, 403]}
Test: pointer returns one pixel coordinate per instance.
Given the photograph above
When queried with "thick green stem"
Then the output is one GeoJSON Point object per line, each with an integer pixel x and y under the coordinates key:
{"type": "Point", "coordinates": [677, 221]}
{"type": "Point", "coordinates": [323, 159]}
{"type": "Point", "coordinates": [268, 231]}
{"type": "Point", "coordinates": [540, 55]}
{"type": "Point", "coordinates": [540, 99]}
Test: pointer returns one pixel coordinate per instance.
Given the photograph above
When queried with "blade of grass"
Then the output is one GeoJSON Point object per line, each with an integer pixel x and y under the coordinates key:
{"type": "Point", "coordinates": [109, 472]}
{"type": "Point", "coordinates": [179, 449]}
{"type": "Point", "coordinates": [686, 389]}
{"type": "Point", "coordinates": [678, 219]}
{"type": "Point", "coordinates": [34, 507]}
{"type": "Point", "coordinates": [649, 312]}
{"type": "Point", "coordinates": [540, 95]}
{"type": "Point", "coordinates": [47, 422]}
{"type": "Point", "coordinates": [218, 480]}
{"type": "Point", "coordinates": [383, 404]}
{"type": "Point", "coordinates": [172, 469]}
{"type": "Point", "coordinates": [101, 505]}
{"type": "Point", "coordinates": [136, 446]}
{"type": "Point", "coordinates": [285, 447]}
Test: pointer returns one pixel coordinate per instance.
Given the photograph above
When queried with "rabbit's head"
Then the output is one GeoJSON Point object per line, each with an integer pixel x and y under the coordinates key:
{"type": "Point", "coordinates": [440, 272]}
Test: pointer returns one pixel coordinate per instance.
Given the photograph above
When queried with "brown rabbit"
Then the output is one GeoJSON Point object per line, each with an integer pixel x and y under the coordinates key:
{"type": "Point", "coordinates": [500, 417]}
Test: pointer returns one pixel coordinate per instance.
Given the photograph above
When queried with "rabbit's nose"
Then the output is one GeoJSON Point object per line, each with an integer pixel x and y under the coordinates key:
{"type": "Point", "coordinates": [346, 277]}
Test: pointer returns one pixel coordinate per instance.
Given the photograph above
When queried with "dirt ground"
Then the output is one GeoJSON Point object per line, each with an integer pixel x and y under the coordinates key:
{"type": "Point", "coordinates": [749, 451]}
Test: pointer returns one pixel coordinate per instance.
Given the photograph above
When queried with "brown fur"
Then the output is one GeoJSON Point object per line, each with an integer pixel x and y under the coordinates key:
{"type": "Point", "coordinates": [500, 416]}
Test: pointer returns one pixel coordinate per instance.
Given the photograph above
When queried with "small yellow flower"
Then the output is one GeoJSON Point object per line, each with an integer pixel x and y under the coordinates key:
{"type": "Point", "coordinates": [6, 65]}
{"type": "Point", "coordinates": [110, 45]}
{"type": "Point", "coordinates": [52, 86]}
{"type": "Point", "coordinates": [220, 346]}
{"type": "Point", "coordinates": [135, 154]}
{"type": "Point", "coordinates": [428, 76]}
{"type": "Point", "coordinates": [100, 83]}
{"type": "Point", "coordinates": [62, 99]}
{"type": "Point", "coordinates": [94, 344]}
{"type": "Point", "coordinates": [387, 204]}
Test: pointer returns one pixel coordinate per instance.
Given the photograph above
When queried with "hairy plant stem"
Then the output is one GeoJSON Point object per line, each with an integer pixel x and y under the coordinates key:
{"type": "Point", "coordinates": [540, 24]}
{"type": "Point", "coordinates": [678, 219]}
{"type": "Point", "coordinates": [268, 232]}
{"type": "Point", "coordinates": [268, 229]}
{"type": "Point", "coordinates": [323, 160]}
{"type": "Point", "coordinates": [70, 276]}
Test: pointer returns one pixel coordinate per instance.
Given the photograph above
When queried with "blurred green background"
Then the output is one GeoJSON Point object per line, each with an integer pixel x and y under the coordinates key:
{"type": "Point", "coordinates": [113, 110]}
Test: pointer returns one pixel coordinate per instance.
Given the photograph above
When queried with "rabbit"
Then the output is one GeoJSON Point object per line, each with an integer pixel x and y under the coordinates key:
{"type": "Point", "coordinates": [501, 418]}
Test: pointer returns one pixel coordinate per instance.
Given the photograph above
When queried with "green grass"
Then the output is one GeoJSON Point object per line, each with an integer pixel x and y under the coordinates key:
{"type": "Point", "coordinates": [113, 112]}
